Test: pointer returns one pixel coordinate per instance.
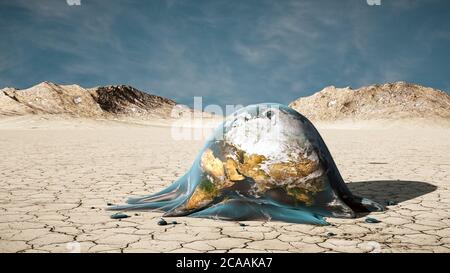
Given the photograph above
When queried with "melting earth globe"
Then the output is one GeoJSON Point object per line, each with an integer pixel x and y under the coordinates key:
{"type": "Point", "coordinates": [264, 162]}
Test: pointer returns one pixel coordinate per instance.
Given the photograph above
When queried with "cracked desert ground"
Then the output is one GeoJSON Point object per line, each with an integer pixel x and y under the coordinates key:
{"type": "Point", "coordinates": [57, 176]}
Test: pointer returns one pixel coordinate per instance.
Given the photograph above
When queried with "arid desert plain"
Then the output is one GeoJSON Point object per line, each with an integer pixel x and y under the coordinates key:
{"type": "Point", "coordinates": [58, 175]}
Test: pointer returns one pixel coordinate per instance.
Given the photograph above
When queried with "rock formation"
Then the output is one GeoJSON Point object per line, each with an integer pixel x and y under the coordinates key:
{"type": "Point", "coordinates": [399, 100]}
{"type": "Point", "coordinates": [76, 101]}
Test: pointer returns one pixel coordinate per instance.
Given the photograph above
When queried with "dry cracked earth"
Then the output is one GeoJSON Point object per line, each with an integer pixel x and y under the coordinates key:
{"type": "Point", "coordinates": [56, 181]}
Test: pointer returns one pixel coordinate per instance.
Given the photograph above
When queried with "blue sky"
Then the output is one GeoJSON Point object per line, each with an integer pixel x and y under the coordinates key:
{"type": "Point", "coordinates": [228, 51]}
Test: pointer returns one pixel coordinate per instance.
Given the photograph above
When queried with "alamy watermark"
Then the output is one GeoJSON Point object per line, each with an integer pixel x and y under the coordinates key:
{"type": "Point", "coordinates": [373, 2]}
{"type": "Point", "coordinates": [201, 122]}
{"type": "Point", "coordinates": [369, 247]}
{"type": "Point", "coordinates": [73, 247]}
{"type": "Point", "coordinates": [73, 2]}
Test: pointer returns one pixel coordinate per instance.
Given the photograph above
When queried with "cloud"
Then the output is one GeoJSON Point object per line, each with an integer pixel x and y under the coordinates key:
{"type": "Point", "coordinates": [228, 52]}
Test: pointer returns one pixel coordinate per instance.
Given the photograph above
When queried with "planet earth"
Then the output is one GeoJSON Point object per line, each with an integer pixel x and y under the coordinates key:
{"type": "Point", "coordinates": [264, 162]}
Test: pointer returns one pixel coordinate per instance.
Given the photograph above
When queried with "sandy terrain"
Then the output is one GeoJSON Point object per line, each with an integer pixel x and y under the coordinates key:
{"type": "Point", "coordinates": [57, 176]}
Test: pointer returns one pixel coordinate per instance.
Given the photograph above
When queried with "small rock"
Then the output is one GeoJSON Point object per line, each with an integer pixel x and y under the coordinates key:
{"type": "Point", "coordinates": [77, 100]}
{"type": "Point", "coordinates": [332, 103]}
{"type": "Point", "coordinates": [391, 203]}
{"type": "Point", "coordinates": [242, 225]}
{"type": "Point", "coordinates": [162, 222]}
{"type": "Point", "coordinates": [371, 220]}
{"type": "Point", "coordinates": [331, 234]}
{"type": "Point", "coordinates": [92, 207]}
{"type": "Point", "coordinates": [174, 223]}
{"type": "Point", "coordinates": [119, 216]}
{"type": "Point", "coordinates": [136, 214]}
{"type": "Point", "coordinates": [109, 204]}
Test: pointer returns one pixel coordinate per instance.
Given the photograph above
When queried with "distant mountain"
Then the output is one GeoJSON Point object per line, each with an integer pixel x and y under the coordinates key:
{"type": "Point", "coordinates": [74, 100]}
{"type": "Point", "coordinates": [399, 100]}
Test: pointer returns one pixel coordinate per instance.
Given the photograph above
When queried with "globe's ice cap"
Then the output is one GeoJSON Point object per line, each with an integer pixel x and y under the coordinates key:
{"type": "Point", "coordinates": [265, 162]}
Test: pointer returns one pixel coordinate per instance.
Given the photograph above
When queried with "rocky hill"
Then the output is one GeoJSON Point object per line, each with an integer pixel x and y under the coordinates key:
{"type": "Point", "coordinates": [76, 101]}
{"type": "Point", "coordinates": [391, 101]}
